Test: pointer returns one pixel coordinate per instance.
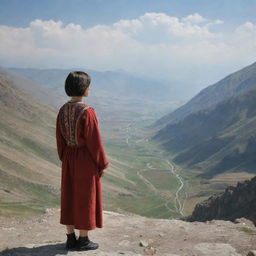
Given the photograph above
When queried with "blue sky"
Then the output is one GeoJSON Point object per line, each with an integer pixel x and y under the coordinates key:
{"type": "Point", "coordinates": [186, 42]}
{"type": "Point", "coordinates": [91, 12]}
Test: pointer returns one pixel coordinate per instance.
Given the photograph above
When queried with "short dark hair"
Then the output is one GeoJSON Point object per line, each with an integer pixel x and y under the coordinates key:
{"type": "Point", "coordinates": [76, 83]}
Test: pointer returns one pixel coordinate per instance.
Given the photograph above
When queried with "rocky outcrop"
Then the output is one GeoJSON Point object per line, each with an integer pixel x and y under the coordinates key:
{"type": "Point", "coordinates": [235, 202]}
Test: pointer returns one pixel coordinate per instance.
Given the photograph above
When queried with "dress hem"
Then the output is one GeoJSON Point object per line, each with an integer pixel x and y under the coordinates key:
{"type": "Point", "coordinates": [83, 228]}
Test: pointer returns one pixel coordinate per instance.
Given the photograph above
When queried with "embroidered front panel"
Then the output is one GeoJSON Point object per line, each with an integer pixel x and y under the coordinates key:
{"type": "Point", "coordinates": [70, 113]}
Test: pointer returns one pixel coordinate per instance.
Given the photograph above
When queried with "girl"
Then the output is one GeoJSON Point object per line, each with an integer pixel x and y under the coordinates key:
{"type": "Point", "coordinates": [81, 151]}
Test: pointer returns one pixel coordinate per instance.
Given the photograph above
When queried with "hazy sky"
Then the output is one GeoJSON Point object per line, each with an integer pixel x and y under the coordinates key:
{"type": "Point", "coordinates": [192, 42]}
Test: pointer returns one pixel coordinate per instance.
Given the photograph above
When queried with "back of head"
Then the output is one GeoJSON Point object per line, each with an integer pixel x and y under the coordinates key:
{"type": "Point", "coordinates": [76, 83]}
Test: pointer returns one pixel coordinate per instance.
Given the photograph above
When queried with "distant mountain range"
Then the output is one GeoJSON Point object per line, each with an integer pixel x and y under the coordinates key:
{"type": "Point", "coordinates": [111, 91]}
{"type": "Point", "coordinates": [215, 131]}
{"type": "Point", "coordinates": [106, 84]}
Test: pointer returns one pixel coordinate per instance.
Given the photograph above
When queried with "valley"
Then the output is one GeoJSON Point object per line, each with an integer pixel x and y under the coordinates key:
{"type": "Point", "coordinates": [155, 186]}
{"type": "Point", "coordinates": [143, 176]}
{"type": "Point", "coordinates": [152, 185]}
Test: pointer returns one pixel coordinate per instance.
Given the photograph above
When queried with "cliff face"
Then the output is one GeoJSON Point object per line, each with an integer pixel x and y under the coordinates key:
{"type": "Point", "coordinates": [235, 202]}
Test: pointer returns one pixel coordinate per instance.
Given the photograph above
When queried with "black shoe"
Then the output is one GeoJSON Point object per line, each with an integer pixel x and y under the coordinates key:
{"type": "Point", "coordinates": [71, 241]}
{"type": "Point", "coordinates": [84, 244]}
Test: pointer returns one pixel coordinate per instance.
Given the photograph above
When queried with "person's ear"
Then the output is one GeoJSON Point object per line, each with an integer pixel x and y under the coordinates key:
{"type": "Point", "coordinates": [86, 91]}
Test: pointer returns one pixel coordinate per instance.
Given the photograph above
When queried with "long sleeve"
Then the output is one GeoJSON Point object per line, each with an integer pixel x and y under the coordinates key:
{"type": "Point", "coordinates": [93, 139]}
{"type": "Point", "coordinates": [59, 139]}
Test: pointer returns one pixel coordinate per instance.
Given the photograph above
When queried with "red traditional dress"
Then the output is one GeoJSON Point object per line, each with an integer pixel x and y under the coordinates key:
{"type": "Point", "coordinates": [81, 151]}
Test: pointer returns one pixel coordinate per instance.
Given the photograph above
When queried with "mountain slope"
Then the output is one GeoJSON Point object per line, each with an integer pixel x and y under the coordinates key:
{"type": "Point", "coordinates": [34, 89]}
{"type": "Point", "coordinates": [29, 166]}
{"type": "Point", "coordinates": [220, 135]}
{"type": "Point", "coordinates": [217, 139]}
{"type": "Point", "coordinates": [209, 97]}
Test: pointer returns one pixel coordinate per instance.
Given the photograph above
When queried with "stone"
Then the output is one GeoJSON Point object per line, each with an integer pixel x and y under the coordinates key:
{"type": "Point", "coordinates": [11, 228]}
{"type": "Point", "coordinates": [213, 249]}
{"type": "Point", "coordinates": [150, 251]}
{"type": "Point", "coordinates": [124, 243]}
{"type": "Point", "coordinates": [251, 253]}
{"type": "Point", "coordinates": [245, 222]}
{"type": "Point", "coordinates": [143, 243]}
{"type": "Point", "coordinates": [169, 254]}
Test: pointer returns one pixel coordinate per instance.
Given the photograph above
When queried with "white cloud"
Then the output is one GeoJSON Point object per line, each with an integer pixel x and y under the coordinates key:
{"type": "Point", "coordinates": [154, 44]}
{"type": "Point", "coordinates": [129, 26]}
{"type": "Point", "coordinates": [163, 24]}
{"type": "Point", "coordinates": [194, 18]}
{"type": "Point", "coordinates": [246, 27]}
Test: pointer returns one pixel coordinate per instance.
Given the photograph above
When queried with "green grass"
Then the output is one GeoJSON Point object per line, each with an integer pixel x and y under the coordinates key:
{"type": "Point", "coordinates": [28, 144]}
{"type": "Point", "coordinates": [144, 201]}
{"type": "Point", "coordinates": [18, 169]}
{"type": "Point", "coordinates": [39, 149]}
{"type": "Point", "coordinates": [162, 179]}
{"type": "Point", "coordinates": [17, 209]}
{"type": "Point", "coordinates": [247, 230]}
{"type": "Point", "coordinates": [33, 198]}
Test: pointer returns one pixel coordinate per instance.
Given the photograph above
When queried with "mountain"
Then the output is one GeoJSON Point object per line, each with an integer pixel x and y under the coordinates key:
{"type": "Point", "coordinates": [111, 91]}
{"type": "Point", "coordinates": [34, 89]}
{"type": "Point", "coordinates": [209, 97]}
{"type": "Point", "coordinates": [29, 166]}
{"type": "Point", "coordinates": [113, 84]}
{"type": "Point", "coordinates": [236, 202]}
{"type": "Point", "coordinates": [220, 137]}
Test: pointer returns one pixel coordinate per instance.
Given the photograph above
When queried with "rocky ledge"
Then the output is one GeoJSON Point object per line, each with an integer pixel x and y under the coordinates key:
{"type": "Point", "coordinates": [130, 235]}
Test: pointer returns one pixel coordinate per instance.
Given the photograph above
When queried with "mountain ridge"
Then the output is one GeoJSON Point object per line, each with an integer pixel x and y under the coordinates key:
{"type": "Point", "coordinates": [123, 84]}
{"type": "Point", "coordinates": [227, 87]}
{"type": "Point", "coordinates": [33, 89]}
{"type": "Point", "coordinates": [219, 138]}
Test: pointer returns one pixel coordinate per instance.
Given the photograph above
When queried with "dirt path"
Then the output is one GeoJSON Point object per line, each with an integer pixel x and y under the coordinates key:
{"type": "Point", "coordinates": [147, 182]}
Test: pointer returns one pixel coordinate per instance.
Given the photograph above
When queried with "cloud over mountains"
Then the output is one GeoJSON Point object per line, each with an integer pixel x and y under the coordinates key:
{"type": "Point", "coordinates": [154, 45]}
